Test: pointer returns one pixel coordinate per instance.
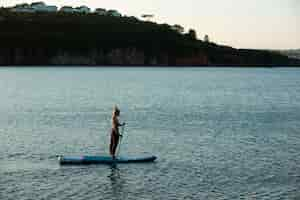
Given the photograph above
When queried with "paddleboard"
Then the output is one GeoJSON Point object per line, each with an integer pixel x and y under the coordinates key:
{"type": "Point", "coordinates": [86, 160]}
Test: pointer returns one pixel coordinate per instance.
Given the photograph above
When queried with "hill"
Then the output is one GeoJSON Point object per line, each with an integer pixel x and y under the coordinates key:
{"type": "Point", "coordinates": [90, 39]}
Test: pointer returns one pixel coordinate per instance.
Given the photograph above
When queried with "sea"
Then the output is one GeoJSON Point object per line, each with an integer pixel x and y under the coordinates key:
{"type": "Point", "coordinates": [218, 133]}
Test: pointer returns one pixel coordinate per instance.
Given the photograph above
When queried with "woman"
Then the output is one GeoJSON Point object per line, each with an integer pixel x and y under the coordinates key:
{"type": "Point", "coordinates": [114, 138]}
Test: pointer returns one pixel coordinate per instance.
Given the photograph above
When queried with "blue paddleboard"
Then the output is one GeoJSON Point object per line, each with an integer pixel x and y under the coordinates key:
{"type": "Point", "coordinates": [86, 160]}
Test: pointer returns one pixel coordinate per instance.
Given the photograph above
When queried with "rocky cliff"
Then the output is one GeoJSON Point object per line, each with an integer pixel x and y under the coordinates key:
{"type": "Point", "coordinates": [117, 56]}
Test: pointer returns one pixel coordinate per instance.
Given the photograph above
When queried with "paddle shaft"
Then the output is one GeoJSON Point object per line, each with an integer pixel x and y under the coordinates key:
{"type": "Point", "coordinates": [118, 151]}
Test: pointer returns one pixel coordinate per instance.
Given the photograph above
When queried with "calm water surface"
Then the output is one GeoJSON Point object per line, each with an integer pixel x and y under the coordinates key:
{"type": "Point", "coordinates": [219, 133]}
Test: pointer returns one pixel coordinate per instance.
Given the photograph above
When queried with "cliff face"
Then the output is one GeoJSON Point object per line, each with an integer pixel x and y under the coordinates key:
{"type": "Point", "coordinates": [193, 60]}
{"type": "Point", "coordinates": [94, 56]}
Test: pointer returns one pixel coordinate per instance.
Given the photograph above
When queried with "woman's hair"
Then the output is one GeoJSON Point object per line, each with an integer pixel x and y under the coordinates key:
{"type": "Point", "coordinates": [116, 110]}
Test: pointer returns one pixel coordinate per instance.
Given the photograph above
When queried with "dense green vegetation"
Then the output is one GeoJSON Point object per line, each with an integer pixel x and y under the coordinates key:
{"type": "Point", "coordinates": [76, 30]}
{"type": "Point", "coordinates": [86, 31]}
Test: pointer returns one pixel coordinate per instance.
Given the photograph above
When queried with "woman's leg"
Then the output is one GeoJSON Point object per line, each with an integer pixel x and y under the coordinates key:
{"type": "Point", "coordinates": [111, 144]}
{"type": "Point", "coordinates": [115, 144]}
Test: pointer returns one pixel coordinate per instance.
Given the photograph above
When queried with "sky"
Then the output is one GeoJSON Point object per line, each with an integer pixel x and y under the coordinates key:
{"type": "Point", "coordinates": [256, 24]}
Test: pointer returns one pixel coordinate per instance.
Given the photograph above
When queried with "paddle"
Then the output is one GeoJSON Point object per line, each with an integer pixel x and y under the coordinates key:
{"type": "Point", "coordinates": [118, 151]}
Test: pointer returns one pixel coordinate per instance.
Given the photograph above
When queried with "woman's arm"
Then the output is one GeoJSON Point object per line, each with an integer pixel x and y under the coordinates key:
{"type": "Point", "coordinates": [116, 121]}
{"type": "Point", "coordinates": [123, 124]}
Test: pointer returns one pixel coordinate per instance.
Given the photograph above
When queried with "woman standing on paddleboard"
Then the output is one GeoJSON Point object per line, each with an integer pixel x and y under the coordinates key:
{"type": "Point", "coordinates": [114, 138]}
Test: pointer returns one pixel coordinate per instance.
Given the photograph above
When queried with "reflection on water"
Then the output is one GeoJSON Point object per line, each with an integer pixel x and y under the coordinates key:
{"type": "Point", "coordinates": [117, 182]}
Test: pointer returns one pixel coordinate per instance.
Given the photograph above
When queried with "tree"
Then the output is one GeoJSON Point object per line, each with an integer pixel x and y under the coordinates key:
{"type": "Point", "coordinates": [206, 38]}
{"type": "Point", "coordinates": [192, 34]}
{"type": "Point", "coordinates": [178, 28]}
{"type": "Point", "coordinates": [148, 17]}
